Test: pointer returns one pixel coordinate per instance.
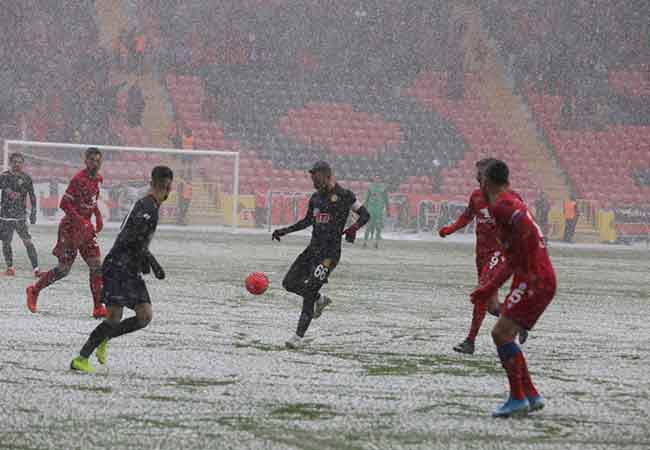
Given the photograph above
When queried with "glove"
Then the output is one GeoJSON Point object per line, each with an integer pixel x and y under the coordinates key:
{"type": "Point", "coordinates": [146, 266]}
{"type": "Point", "coordinates": [32, 217]}
{"type": "Point", "coordinates": [277, 234]}
{"type": "Point", "coordinates": [87, 227]}
{"type": "Point", "coordinates": [158, 271]}
{"type": "Point", "coordinates": [351, 234]}
{"type": "Point", "coordinates": [481, 294]}
{"type": "Point", "coordinates": [445, 231]}
{"type": "Point", "coordinates": [99, 223]}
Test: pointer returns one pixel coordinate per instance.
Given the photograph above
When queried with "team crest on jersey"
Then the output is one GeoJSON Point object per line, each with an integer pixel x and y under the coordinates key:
{"type": "Point", "coordinates": [320, 217]}
{"type": "Point", "coordinates": [334, 197]}
{"type": "Point", "coordinates": [485, 212]}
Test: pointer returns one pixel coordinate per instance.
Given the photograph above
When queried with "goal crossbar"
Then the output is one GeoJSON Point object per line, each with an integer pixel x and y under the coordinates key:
{"type": "Point", "coordinates": [169, 151]}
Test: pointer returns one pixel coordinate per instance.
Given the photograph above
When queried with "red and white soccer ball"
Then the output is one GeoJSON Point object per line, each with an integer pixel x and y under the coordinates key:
{"type": "Point", "coordinates": [257, 283]}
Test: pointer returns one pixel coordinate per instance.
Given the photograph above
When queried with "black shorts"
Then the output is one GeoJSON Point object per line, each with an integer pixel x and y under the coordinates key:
{"type": "Point", "coordinates": [124, 290]}
{"type": "Point", "coordinates": [7, 228]}
{"type": "Point", "coordinates": [309, 272]}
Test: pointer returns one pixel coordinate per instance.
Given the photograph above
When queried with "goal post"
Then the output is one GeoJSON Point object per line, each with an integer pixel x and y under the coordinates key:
{"type": "Point", "coordinates": [209, 189]}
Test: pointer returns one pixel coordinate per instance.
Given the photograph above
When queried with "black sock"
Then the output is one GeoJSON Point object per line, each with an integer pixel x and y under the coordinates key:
{"type": "Point", "coordinates": [303, 323]}
{"type": "Point", "coordinates": [8, 253]}
{"type": "Point", "coordinates": [31, 252]}
{"type": "Point", "coordinates": [103, 331]}
{"type": "Point", "coordinates": [127, 326]}
{"type": "Point", "coordinates": [306, 315]}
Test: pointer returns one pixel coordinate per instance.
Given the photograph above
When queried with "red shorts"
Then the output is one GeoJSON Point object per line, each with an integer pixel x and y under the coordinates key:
{"type": "Point", "coordinates": [72, 240]}
{"type": "Point", "coordinates": [488, 265]}
{"type": "Point", "coordinates": [528, 298]}
{"type": "Point", "coordinates": [486, 262]}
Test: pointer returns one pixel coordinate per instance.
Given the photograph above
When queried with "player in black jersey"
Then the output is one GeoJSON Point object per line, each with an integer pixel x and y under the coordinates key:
{"type": "Point", "coordinates": [16, 185]}
{"type": "Point", "coordinates": [328, 211]}
{"type": "Point", "coordinates": [123, 268]}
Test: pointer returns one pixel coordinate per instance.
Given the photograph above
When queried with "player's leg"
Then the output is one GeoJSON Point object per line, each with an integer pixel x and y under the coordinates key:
{"type": "Point", "coordinates": [132, 293]}
{"type": "Point", "coordinates": [370, 231]}
{"type": "Point", "coordinates": [313, 302]}
{"type": "Point", "coordinates": [294, 282]}
{"type": "Point", "coordinates": [294, 279]}
{"type": "Point", "coordinates": [494, 309]}
{"type": "Point", "coordinates": [137, 298]}
{"type": "Point", "coordinates": [306, 314]}
{"type": "Point", "coordinates": [55, 274]}
{"type": "Point", "coordinates": [51, 276]}
{"type": "Point", "coordinates": [23, 233]}
{"type": "Point", "coordinates": [7, 234]}
{"type": "Point", "coordinates": [366, 233]}
{"type": "Point", "coordinates": [142, 318]}
{"type": "Point", "coordinates": [95, 281]}
{"type": "Point", "coordinates": [91, 254]}
{"type": "Point", "coordinates": [379, 227]}
{"type": "Point", "coordinates": [514, 363]}
{"type": "Point", "coordinates": [520, 311]}
{"type": "Point", "coordinates": [66, 251]}
{"type": "Point", "coordinates": [478, 315]}
{"type": "Point", "coordinates": [479, 309]}
{"type": "Point", "coordinates": [97, 337]}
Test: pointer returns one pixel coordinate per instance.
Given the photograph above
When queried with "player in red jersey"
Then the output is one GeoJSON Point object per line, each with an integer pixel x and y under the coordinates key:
{"type": "Point", "coordinates": [488, 253]}
{"type": "Point", "coordinates": [533, 285]}
{"type": "Point", "coordinates": [77, 233]}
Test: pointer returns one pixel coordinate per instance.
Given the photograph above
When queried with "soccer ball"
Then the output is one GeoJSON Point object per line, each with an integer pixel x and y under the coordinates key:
{"type": "Point", "coordinates": [257, 283]}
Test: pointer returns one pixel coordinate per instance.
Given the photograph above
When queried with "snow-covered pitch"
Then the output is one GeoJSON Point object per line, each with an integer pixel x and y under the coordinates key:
{"type": "Point", "coordinates": [211, 370]}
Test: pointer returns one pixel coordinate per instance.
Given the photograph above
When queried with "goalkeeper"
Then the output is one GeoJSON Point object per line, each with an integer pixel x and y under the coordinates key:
{"type": "Point", "coordinates": [377, 205]}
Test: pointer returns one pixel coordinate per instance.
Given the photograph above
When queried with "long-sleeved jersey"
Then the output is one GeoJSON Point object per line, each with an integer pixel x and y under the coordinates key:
{"type": "Point", "coordinates": [15, 189]}
{"type": "Point", "coordinates": [486, 228]}
{"type": "Point", "coordinates": [80, 198]}
{"type": "Point", "coordinates": [328, 214]}
{"type": "Point", "coordinates": [130, 252]}
{"type": "Point", "coordinates": [521, 240]}
{"type": "Point", "coordinates": [377, 199]}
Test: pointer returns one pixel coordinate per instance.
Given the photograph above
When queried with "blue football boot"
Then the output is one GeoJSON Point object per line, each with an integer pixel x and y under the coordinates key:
{"type": "Point", "coordinates": [536, 403]}
{"type": "Point", "coordinates": [512, 408]}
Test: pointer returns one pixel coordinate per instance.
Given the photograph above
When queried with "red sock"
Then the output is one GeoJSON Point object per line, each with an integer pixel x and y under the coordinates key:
{"type": "Point", "coordinates": [96, 283]}
{"type": "Point", "coordinates": [527, 382]}
{"type": "Point", "coordinates": [480, 308]}
{"type": "Point", "coordinates": [47, 279]}
{"type": "Point", "coordinates": [514, 363]}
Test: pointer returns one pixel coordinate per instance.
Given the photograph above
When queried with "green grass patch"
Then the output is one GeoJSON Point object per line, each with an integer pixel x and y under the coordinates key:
{"type": "Point", "coordinates": [201, 382]}
{"type": "Point", "coordinates": [304, 411]}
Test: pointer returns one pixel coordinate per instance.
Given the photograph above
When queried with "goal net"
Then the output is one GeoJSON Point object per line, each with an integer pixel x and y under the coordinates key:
{"type": "Point", "coordinates": [205, 191]}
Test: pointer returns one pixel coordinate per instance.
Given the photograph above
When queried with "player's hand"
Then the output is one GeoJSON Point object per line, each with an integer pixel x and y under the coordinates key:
{"type": "Point", "coordinates": [32, 217]}
{"type": "Point", "coordinates": [277, 234]}
{"type": "Point", "coordinates": [444, 231]}
{"type": "Point", "coordinates": [99, 223]}
{"type": "Point", "coordinates": [481, 294]}
{"type": "Point", "coordinates": [87, 227]}
{"type": "Point", "coordinates": [157, 269]}
{"type": "Point", "coordinates": [350, 234]}
{"type": "Point", "coordinates": [146, 266]}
